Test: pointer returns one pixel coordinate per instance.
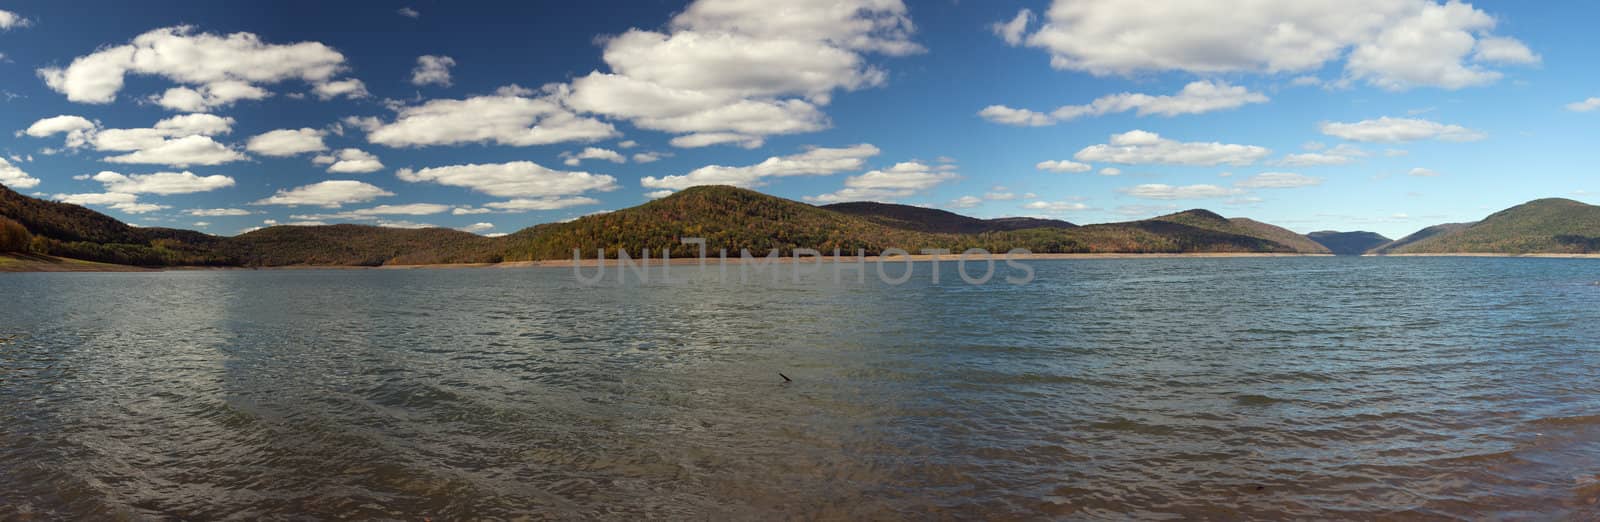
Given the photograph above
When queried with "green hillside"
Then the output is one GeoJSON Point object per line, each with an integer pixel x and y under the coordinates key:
{"type": "Point", "coordinates": [1208, 220]}
{"type": "Point", "coordinates": [1545, 226]}
{"type": "Point", "coordinates": [921, 219]}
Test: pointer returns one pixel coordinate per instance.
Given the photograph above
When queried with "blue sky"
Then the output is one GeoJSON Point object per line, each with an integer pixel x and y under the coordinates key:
{"type": "Point", "coordinates": [1355, 115]}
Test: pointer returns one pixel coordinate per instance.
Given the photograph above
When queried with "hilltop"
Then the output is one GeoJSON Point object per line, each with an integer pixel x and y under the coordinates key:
{"type": "Point", "coordinates": [1349, 243]}
{"type": "Point", "coordinates": [728, 217]}
{"type": "Point", "coordinates": [1544, 226]}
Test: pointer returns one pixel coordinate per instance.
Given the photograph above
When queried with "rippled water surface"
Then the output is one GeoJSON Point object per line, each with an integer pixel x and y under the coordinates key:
{"type": "Point", "coordinates": [1351, 388]}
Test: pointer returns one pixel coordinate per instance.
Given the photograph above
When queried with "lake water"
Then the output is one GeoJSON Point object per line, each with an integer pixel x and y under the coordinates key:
{"type": "Point", "coordinates": [1348, 388]}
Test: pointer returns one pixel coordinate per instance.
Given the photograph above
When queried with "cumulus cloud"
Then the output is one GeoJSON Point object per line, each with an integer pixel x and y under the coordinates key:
{"type": "Point", "coordinates": [287, 142]}
{"type": "Point", "coordinates": [1195, 98]}
{"type": "Point", "coordinates": [408, 12]}
{"type": "Point", "coordinates": [649, 157]}
{"type": "Point", "coordinates": [124, 202]}
{"type": "Point", "coordinates": [1139, 147]}
{"type": "Point", "coordinates": [1110, 171]}
{"type": "Point", "coordinates": [1397, 130]}
{"type": "Point", "coordinates": [432, 70]}
{"type": "Point", "coordinates": [966, 202]}
{"type": "Point", "coordinates": [514, 179]}
{"type": "Point", "coordinates": [508, 117]}
{"type": "Point", "coordinates": [1278, 180]}
{"type": "Point", "coordinates": [1168, 192]}
{"type": "Point", "coordinates": [349, 161]}
{"type": "Point", "coordinates": [818, 161]}
{"type": "Point", "coordinates": [1393, 44]}
{"type": "Point", "coordinates": [10, 20]}
{"type": "Point", "coordinates": [368, 214]}
{"type": "Point", "coordinates": [900, 181]}
{"type": "Point", "coordinates": [224, 68]}
{"type": "Point", "coordinates": [573, 159]}
{"type": "Point", "coordinates": [13, 176]}
{"type": "Point", "coordinates": [477, 228]}
{"type": "Point", "coordinates": [164, 183]}
{"type": "Point", "coordinates": [1063, 166]}
{"type": "Point", "coordinates": [739, 70]}
{"type": "Point", "coordinates": [328, 194]}
{"type": "Point", "coordinates": [178, 141]}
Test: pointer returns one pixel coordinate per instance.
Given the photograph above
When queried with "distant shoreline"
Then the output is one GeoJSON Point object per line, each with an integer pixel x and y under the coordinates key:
{"type": "Point", "coordinates": [33, 263]}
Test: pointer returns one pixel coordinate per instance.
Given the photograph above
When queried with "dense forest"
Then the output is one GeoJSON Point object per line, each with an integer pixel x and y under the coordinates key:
{"type": "Point", "coordinates": [734, 219]}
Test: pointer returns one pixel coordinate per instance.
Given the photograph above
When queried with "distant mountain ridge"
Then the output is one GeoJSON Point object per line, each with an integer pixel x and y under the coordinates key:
{"type": "Point", "coordinates": [1349, 243]}
{"type": "Point", "coordinates": [726, 217]}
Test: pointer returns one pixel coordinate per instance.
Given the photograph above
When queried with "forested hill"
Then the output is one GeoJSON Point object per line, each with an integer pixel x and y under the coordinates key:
{"type": "Point", "coordinates": [1349, 243]}
{"type": "Point", "coordinates": [727, 217]}
{"type": "Point", "coordinates": [1545, 226]}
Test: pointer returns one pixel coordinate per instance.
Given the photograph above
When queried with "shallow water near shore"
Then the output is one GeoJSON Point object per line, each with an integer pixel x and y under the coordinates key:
{"type": "Point", "coordinates": [1265, 388]}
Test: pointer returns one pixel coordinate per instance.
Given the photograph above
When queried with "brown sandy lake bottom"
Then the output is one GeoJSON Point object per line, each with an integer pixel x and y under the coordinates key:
{"type": "Point", "coordinates": [1226, 389]}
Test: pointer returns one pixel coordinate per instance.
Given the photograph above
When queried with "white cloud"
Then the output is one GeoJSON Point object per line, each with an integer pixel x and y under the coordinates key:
{"type": "Point", "coordinates": [432, 70]}
{"type": "Point", "coordinates": [1167, 192]}
{"type": "Point", "coordinates": [658, 194]}
{"type": "Point", "coordinates": [1394, 44]}
{"type": "Point", "coordinates": [649, 157]}
{"type": "Point", "coordinates": [329, 194]}
{"type": "Point", "coordinates": [819, 161]}
{"type": "Point", "coordinates": [1110, 171]}
{"type": "Point", "coordinates": [351, 88]}
{"type": "Point", "coordinates": [514, 179]}
{"type": "Point", "coordinates": [287, 142]}
{"type": "Point", "coordinates": [10, 20]}
{"type": "Point", "coordinates": [182, 152]}
{"type": "Point", "coordinates": [1056, 206]}
{"type": "Point", "coordinates": [1278, 180]}
{"type": "Point", "coordinates": [408, 12]}
{"type": "Point", "coordinates": [546, 203]}
{"type": "Point", "coordinates": [1139, 147]}
{"type": "Point", "coordinates": [1018, 117]}
{"type": "Point", "coordinates": [178, 141]}
{"type": "Point", "coordinates": [900, 181]}
{"type": "Point", "coordinates": [707, 139]}
{"type": "Point", "coordinates": [575, 158]}
{"type": "Point", "coordinates": [477, 228]}
{"type": "Point", "coordinates": [1013, 30]}
{"type": "Point", "coordinates": [1195, 98]}
{"type": "Point", "coordinates": [1343, 154]}
{"type": "Point", "coordinates": [1063, 166]}
{"type": "Point", "coordinates": [224, 65]}
{"type": "Point", "coordinates": [468, 211]}
{"type": "Point", "coordinates": [209, 96]}
{"type": "Point", "coordinates": [1397, 130]}
{"type": "Point", "coordinates": [216, 212]}
{"type": "Point", "coordinates": [1585, 105]}
{"type": "Point", "coordinates": [966, 202]}
{"type": "Point", "coordinates": [744, 67]}
{"type": "Point", "coordinates": [349, 161]}
{"type": "Point", "coordinates": [77, 128]}
{"type": "Point", "coordinates": [13, 176]}
{"type": "Point", "coordinates": [124, 202]}
{"type": "Point", "coordinates": [165, 183]}
{"type": "Point", "coordinates": [627, 144]}
{"type": "Point", "coordinates": [503, 118]}
{"type": "Point", "coordinates": [367, 214]}
{"type": "Point", "coordinates": [1422, 172]}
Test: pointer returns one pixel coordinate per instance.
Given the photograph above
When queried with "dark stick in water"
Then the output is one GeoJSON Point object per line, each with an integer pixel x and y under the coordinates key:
{"type": "Point", "coordinates": [785, 377]}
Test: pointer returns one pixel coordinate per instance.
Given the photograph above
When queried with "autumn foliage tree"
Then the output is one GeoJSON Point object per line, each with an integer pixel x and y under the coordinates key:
{"type": "Point", "coordinates": [13, 236]}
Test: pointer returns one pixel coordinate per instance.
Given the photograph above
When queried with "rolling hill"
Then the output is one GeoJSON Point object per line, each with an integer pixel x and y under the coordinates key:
{"type": "Point", "coordinates": [727, 217]}
{"type": "Point", "coordinates": [1349, 243]}
{"type": "Point", "coordinates": [1544, 226]}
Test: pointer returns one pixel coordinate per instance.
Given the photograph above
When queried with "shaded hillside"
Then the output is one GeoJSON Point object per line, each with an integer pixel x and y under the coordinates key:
{"type": "Point", "coordinates": [1208, 220]}
{"type": "Point", "coordinates": [1544, 226]}
{"type": "Point", "coordinates": [66, 230]}
{"type": "Point", "coordinates": [359, 245]}
{"type": "Point", "coordinates": [1418, 236]}
{"type": "Point", "coordinates": [1349, 243]}
{"type": "Point", "coordinates": [921, 219]}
